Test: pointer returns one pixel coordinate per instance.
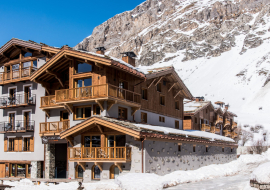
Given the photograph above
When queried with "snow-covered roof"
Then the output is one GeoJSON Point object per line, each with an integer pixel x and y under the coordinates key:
{"type": "Point", "coordinates": [194, 107]}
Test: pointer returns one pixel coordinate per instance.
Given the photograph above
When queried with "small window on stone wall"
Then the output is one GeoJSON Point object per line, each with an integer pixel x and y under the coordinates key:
{"type": "Point", "coordinates": [222, 149]}
{"type": "Point", "coordinates": [231, 149]}
{"type": "Point", "coordinates": [194, 148]}
{"type": "Point", "coordinates": [206, 148]}
{"type": "Point", "coordinates": [179, 147]}
{"type": "Point", "coordinates": [195, 120]}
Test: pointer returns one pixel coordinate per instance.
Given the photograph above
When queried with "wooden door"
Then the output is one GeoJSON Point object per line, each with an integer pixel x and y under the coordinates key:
{"type": "Point", "coordinates": [27, 93]}
{"type": "Point", "coordinates": [12, 120]}
{"type": "Point", "coordinates": [2, 171]}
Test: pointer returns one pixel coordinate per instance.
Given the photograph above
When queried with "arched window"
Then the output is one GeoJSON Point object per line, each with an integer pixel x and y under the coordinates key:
{"type": "Point", "coordinates": [79, 172]}
{"type": "Point", "coordinates": [114, 172]}
{"type": "Point", "coordinates": [95, 172]}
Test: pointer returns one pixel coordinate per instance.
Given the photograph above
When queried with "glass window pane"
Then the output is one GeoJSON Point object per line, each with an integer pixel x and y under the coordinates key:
{"type": "Point", "coordinates": [80, 172]}
{"type": "Point", "coordinates": [111, 141]}
{"type": "Point", "coordinates": [35, 63]}
{"type": "Point", "coordinates": [15, 67]}
{"type": "Point", "coordinates": [21, 170]}
{"type": "Point", "coordinates": [87, 141]}
{"type": "Point", "coordinates": [116, 172]}
{"type": "Point", "coordinates": [95, 141]}
{"type": "Point", "coordinates": [79, 113]}
{"type": "Point", "coordinates": [26, 64]}
{"type": "Point", "coordinates": [65, 115]}
{"type": "Point", "coordinates": [29, 170]}
{"type": "Point", "coordinates": [84, 67]}
{"type": "Point", "coordinates": [120, 140]}
{"type": "Point", "coordinates": [96, 172]}
{"type": "Point", "coordinates": [88, 82]}
{"type": "Point", "coordinates": [79, 83]}
{"type": "Point", "coordinates": [13, 170]}
{"type": "Point", "coordinates": [87, 112]}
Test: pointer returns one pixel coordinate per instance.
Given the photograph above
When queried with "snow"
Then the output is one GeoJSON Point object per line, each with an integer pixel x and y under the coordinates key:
{"type": "Point", "coordinates": [262, 174]}
{"type": "Point", "coordinates": [168, 130]}
{"type": "Point", "coordinates": [192, 106]}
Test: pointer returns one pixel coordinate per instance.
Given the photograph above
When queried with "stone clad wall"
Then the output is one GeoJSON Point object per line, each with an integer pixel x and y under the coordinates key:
{"type": "Point", "coordinates": [163, 157]}
{"type": "Point", "coordinates": [36, 169]}
{"type": "Point", "coordinates": [50, 161]}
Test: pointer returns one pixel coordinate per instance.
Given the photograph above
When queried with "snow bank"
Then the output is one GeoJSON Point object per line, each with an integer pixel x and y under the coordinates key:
{"type": "Point", "coordinates": [262, 174]}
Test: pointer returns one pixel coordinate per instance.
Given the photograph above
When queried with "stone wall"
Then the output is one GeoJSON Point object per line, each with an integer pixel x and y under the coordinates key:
{"type": "Point", "coordinates": [50, 161]}
{"type": "Point", "coordinates": [36, 169]}
{"type": "Point", "coordinates": [164, 157]}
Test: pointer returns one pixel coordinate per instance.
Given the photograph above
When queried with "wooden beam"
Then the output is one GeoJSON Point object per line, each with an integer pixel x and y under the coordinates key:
{"type": "Point", "coordinates": [47, 112]}
{"type": "Point", "coordinates": [159, 80]}
{"type": "Point", "coordinates": [110, 104]}
{"type": "Point", "coordinates": [68, 107]}
{"type": "Point", "coordinates": [45, 85]}
{"type": "Point", "coordinates": [99, 65]}
{"type": "Point", "coordinates": [70, 140]}
{"type": "Point", "coordinates": [152, 82]}
{"type": "Point", "coordinates": [118, 165]}
{"type": "Point", "coordinates": [68, 57]}
{"type": "Point", "coordinates": [99, 128]}
{"type": "Point", "coordinates": [57, 76]}
{"type": "Point", "coordinates": [100, 103]}
{"type": "Point", "coordinates": [172, 86]}
{"type": "Point", "coordinates": [82, 164]}
{"type": "Point", "coordinates": [134, 110]}
{"type": "Point", "coordinates": [177, 94]}
{"type": "Point", "coordinates": [99, 165]}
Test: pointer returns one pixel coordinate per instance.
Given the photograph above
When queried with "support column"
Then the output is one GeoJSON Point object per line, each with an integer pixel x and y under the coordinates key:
{"type": "Point", "coordinates": [50, 161]}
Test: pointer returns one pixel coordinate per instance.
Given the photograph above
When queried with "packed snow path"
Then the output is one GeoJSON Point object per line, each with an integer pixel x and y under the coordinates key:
{"type": "Point", "coordinates": [223, 183]}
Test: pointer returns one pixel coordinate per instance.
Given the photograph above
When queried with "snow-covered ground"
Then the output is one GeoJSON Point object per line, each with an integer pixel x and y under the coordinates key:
{"type": "Point", "coordinates": [243, 166]}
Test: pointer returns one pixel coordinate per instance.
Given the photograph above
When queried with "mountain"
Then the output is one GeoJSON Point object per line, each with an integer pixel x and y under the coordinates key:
{"type": "Point", "coordinates": [219, 48]}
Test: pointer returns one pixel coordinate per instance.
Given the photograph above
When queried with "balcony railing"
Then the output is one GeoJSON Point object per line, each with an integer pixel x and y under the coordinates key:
{"type": "Point", "coordinates": [47, 101]}
{"type": "Point", "coordinates": [98, 91]}
{"type": "Point", "coordinates": [16, 74]}
{"type": "Point", "coordinates": [17, 126]}
{"type": "Point", "coordinates": [53, 127]}
{"type": "Point", "coordinates": [234, 125]}
{"type": "Point", "coordinates": [17, 100]}
{"type": "Point", "coordinates": [205, 127]}
{"type": "Point", "coordinates": [227, 133]}
{"type": "Point", "coordinates": [100, 153]}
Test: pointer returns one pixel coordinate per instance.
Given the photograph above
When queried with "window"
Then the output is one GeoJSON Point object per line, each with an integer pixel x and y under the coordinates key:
{"type": "Point", "coordinates": [82, 112]}
{"type": "Point", "coordinates": [196, 120]}
{"type": "Point", "coordinates": [231, 149]}
{"type": "Point", "coordinates": [83, 83]}
{"type": "Point", "coordinates": [143, 117]}
{"type": "Point", "coordinates": [116, 140]}
{"type": "Point", "coordinates": [79, 172]}
{"type": "Point", "coordinates": [122, 113]}
{"type": "Point", "coordinates": [96, 110]}
{"type": "Point", "coordinates": [123, 84]}
{"type": "Point", "coordinates": [162, 100]}
{"type": "Point", "coordinates": [176, 125]}
{"type": "Point", "coordinates": [96, 172]}
{"type": "Point", "coordinates": [194, 148]}
{"type": "Point", "coordinates": [11, 144]}
{"type": "Point", "coordinates": [64, 115]}
{"type": "Point", "coordinates": [162, 119]}
{"type": "Point", "coordinates": [177, 105]}
{"type": "Point", "coordinates": [205, 110]}
{"type": "Point", "coordinates": [164, 82]}
{"type": "Point", "coordinates": [159, 87]}
{"type": "Point", "coordinates": [114, 172]}
{"type": "Point", "coordinates": [144, 94]}
{"type": "Point", "coordinates": [92, 141]}
{"type": "Point", "coordinates": [179, 147]}
{"type": "Point", "coordinates": [83, 67]}
{"type": "Point", "coordinates": [222, 149]}
{"type": "Point", "coordinates": [206, 149]}
{"type": "Point", "coordinates": [26, 144]}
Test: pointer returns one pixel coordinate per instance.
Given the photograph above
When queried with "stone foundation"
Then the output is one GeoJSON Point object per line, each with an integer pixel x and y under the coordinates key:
{"type": "Point", "coordinates": [257, 185]}
{"type": "Point", "coordinates": [50, 161]}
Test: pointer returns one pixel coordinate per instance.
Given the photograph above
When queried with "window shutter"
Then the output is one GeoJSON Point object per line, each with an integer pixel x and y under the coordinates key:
{"type": "Point", "coordinates": [5, 145]}
{"type": "Point", "coordinates": [16, 144]}
{"type": "Point", "coordinates": [20, 145]}
{"type": "Point", "coordinates": [32, 144]}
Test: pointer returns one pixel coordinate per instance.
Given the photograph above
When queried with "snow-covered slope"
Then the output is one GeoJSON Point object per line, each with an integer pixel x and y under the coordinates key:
{"type": "Point", "coordinates": [218, 78]}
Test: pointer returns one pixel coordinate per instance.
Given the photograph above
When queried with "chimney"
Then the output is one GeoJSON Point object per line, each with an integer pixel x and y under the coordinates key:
{"type": "Point", "coordinates": [199, 99]}
{"type": "Point", "coordinates": [220, 103]}
{"type": "Point", "coordinates": [227, 106]}
{"type": "Point", "coordinates": [128, 57]}
{"type": "Point", "coordinates": [100, 50]}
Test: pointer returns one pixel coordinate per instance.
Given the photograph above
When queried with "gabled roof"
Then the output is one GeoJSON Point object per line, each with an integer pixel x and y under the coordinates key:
{"type": "Point", "coordinates": [163, 71]}
{"type": "Point", "coordinates": [193, 107]}
{"type": "Point", "coordinates": [230, 113]}
{"type": "Point", "coordinates": [146, 131]}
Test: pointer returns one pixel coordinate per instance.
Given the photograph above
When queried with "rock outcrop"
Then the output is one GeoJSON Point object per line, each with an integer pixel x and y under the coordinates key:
{"type": "Point", "coordinates": [160, 30]}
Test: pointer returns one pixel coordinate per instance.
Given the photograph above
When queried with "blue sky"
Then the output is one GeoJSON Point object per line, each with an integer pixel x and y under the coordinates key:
{"type": "Point", "coordinates": [57, 22]}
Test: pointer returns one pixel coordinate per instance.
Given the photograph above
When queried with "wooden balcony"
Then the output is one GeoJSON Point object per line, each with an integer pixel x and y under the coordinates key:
{"type": "Point", "coordinates": [90, 93]}
{"type": "Point", "coordinates": [227, 122]}
{"type": "Point", "coordinates": [234, 125]}
{"type": "Point", "coordinates": [18, 100]}
{"type": "Point", "coordinates": [206, 127]}
{"type": "Point", "coordinates": [16, 75]}
{"type": "Point", "coordinates": [219, 119]}
{"type": "Point", "coordinates": [227, 133]}
{"type": "Point", "coordinates": [215, 130]}
{"type": "Point", "coordinates": [234, 135]}
{"type": "Point", "coordinates": [17, 127]}
{"type": "Point", "coordinates": [48, 102]}
{"type": "Point", "coordinates": [109, 154]}
{"type": "Point", "coordinates": [53, 128]}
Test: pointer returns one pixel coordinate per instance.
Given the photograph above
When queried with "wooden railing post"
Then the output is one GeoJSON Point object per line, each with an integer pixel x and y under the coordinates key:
{"type": "Point", "coordinates": [58, 127]}
{"type": "Point", "coordinates": [95, 153]}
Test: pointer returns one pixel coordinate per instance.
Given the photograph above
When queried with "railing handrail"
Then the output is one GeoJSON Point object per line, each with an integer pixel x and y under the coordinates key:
{"type": "Point", "coordinates": [45, 127]}
{"type": "Point", "coordinates": [54, 121]}
{"type": "Point", "coordinates": [47, 96]}
{"type": "Point", "coordinates": [123, 89]}
{"type": "Point", "coordinates": [23, 68]}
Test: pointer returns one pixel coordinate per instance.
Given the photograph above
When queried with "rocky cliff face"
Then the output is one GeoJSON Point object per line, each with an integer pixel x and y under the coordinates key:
{"type": "Point", "coordinates": [160, 30]}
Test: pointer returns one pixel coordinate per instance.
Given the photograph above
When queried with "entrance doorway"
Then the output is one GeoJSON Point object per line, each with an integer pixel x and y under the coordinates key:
{"type": "Point", "coordinates": [60, 160]}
